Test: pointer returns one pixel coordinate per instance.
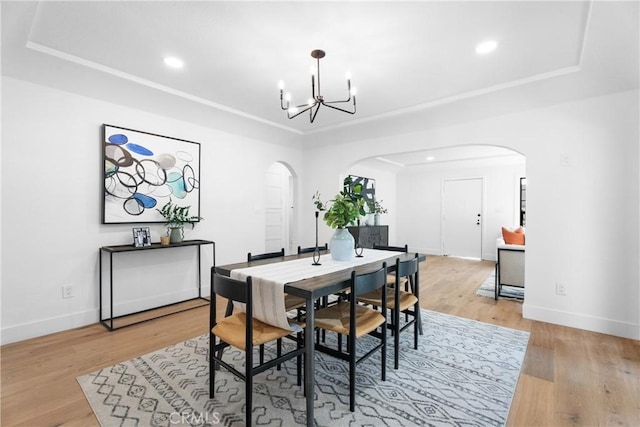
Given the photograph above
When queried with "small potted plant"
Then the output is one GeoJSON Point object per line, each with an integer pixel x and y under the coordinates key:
{"type": "Point", "coordinates": [377, 210]}
{"type": "Point", "coordinates": [176, 217]}
{"type": "Point", "coordinates": [345, 208]}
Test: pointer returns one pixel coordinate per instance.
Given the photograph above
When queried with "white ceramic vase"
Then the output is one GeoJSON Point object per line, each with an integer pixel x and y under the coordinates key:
{"type": "Point", "coordinates": [342, 245]}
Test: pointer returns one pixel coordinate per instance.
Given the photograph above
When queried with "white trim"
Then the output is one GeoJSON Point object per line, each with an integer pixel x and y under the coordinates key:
{"type": "Point", "coordinates": [582, 321]}
{"type": "Point", "coordinates": [48, 326]}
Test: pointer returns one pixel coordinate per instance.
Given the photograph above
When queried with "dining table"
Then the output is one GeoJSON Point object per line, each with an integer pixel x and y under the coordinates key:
{"type": "Point", "coordinates": [312, 282]}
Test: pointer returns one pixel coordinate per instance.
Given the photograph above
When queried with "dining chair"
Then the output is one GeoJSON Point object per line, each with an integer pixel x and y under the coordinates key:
{"type": "Point", "coordinates": [406, 282]}
{"type": "Point", "coordinates": [311, 249]}
{"type": "Point", "coordinates": [399, 301]}
{"type": "Point", "coordinates": [391, 279]}
{"type": "Point", "coordinates": [242, 331]}
{"type": "Point", "coordinates": [355, 321]}
{"type": "Point", "coordinates": [266, 255]}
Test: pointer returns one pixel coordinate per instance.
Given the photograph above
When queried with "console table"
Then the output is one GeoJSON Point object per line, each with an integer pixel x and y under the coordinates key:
{"type": "Point", "coordinates": [370, 235]}
{"type": "Point", "coordinates": [111, 250]}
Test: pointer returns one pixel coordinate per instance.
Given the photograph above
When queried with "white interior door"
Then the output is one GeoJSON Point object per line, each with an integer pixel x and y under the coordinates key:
{"type": "Point", "coordinates": [277, 206]}
{"type": "Point", "coordinates": [462, 218]}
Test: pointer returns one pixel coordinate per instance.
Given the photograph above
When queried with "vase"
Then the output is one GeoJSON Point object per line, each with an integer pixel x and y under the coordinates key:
{"type": "Point", "coordinates": [176, 234]}
{"type": "Point", "coordinates": [342, 245]}
{"type": "Point", "coordinates": [376, 219]}
{"type": "Point", "coordinates": [368, 219]}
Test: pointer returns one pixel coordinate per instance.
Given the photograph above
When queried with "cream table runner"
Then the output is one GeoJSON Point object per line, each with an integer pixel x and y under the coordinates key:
{"type": "Point", "coordinates": [269, 280]}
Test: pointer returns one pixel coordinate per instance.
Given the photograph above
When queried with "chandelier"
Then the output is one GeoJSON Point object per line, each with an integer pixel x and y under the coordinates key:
{"type": "Point", "coordinates": [316, 100]}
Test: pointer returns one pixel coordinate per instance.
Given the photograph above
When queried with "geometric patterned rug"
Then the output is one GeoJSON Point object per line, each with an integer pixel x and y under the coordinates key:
{"type": "Point", "coordinates": [488, 289]}
{"type": "Point", "coordinates": [464, 373]}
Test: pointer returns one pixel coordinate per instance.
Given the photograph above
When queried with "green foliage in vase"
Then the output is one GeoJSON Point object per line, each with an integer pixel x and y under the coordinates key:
{"type": "Point", "coordinates": [346, 207]}
{"type": "Point", "coordinates": [375, 207]}
{"type": "Point", "coordinates": [177, 216]}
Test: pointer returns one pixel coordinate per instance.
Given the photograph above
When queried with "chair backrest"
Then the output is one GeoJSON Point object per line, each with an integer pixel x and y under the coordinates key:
{"type": "Point", "coordinates": [362, 284]}
{"type": "Point", "coordinates": [407, 268]}
{"type": "Point", "coordinates": [410, 269]}
{"type": "Point", "coordinates": [404, 248]}
{"type": "Point", "coordinates": [266, 255]}
{"type": "Point", "coordinates": [311, 249]}
{"type": "Point", "coordinates": [368, 282]}
{"type": "Point", "coordinates": [232, 290]}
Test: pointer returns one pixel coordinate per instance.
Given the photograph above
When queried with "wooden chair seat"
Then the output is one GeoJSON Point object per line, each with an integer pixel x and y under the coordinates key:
{"type": "Point", "coordinates": [292, 302]}
{"type": "Point", "coordinates": [407, 299]}
{"type": "Point", "coordinates": [232, 330]}
{"type": "Point", "coordinates": [336, 318]}
{"type": "Point", "coordinates": [354, 320]}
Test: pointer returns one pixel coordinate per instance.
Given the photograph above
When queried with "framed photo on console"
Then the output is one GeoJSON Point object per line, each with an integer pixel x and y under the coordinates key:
{"type": "Point", "coordinates": [141, 237]}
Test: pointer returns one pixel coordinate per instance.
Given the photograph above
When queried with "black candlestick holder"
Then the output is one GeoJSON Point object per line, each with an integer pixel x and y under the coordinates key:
{"type": "Point", "coordinates": [358, 247]}
{"type": "Point", "coordinates": [316, 251]}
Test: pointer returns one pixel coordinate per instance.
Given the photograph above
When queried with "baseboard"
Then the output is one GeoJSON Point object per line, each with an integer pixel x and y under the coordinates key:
{"type": "Point", "coordinates": [78, 319]}
{"type": "Point", "coordinates": [47, 326]}
{"type": "Point", "coordinates": [489, 256]}
{"type": "Point", "coordinates": [581, 321]}
{"type": "Point", "coordinates": [426, 251]}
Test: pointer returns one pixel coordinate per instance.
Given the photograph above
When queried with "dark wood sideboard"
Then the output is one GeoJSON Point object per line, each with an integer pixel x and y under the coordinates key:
{"type": "Point", "coordinates": [370, 235]}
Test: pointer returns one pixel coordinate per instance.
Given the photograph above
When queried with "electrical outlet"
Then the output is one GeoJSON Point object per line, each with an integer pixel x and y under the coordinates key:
{"type": "Point", "coordinates": [561, 289]}
{"type": "Point", "coordinates": [67, 291]}
{"type": "Point", "coordinates": [564, 160]}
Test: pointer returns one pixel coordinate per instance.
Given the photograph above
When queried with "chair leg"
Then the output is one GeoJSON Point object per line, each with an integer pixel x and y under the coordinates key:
{"type": "Point", "coordinates": [384, 350]}
{"type": "Point", "coordinates": [248, 385]}
{"type": "Point", "coordinates": [261, 354]}
{"type": "Point", "coordinates": [417, 326]}
{"type": "Point", "coordinates": [212, 368]}
{"type": "Point", "coordinates": [278, 351]}
{"type": "Point", "coordinates": [496, 290]}
{"type": "Point", "coordinates": [299, 360]}
{"type": "Point", "coordinates": [396, 338]}
{"type": "Point", "coordinates": [352, 373]}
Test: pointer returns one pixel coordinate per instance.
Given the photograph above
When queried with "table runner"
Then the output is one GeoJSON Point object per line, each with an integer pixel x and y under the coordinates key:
{"type": "Point", "coordinates": [269, 280]}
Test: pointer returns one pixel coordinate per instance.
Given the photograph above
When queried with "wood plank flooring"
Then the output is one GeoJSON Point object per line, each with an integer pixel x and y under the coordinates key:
{"type": "Point", "coordinates": [570, 377]}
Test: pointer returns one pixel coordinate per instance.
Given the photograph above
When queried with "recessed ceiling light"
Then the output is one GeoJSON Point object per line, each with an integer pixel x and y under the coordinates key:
{"type": "Point", "coordinates": [430, 158]}
{"type": "Point", "coordinates": [173, 62]}
{"type": "Point", "coordinates": [486, 47]}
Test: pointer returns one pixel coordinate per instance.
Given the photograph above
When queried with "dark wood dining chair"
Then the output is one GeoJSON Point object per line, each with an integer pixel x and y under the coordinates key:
{"type": "Point", "coordinates": [356, 320]}
{"type": "Point", "coordinates": [242, 331]}
{"type": "Point", "coordinates": [406, 282]}
{"type": "Point", "coordinates": [311, 249]}
{"type": "Point", "coordinates": [399, 301]}
{"type": "Point", "coordinates": [266, 255]}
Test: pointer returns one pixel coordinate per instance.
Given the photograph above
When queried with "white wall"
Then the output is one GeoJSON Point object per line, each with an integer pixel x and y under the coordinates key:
{"type": "Point", "coordinates": [582, 219]}
{"type": "Point", "coordinates": [51, 193]}
{"type": "Point", "coordinates": [420, 194]}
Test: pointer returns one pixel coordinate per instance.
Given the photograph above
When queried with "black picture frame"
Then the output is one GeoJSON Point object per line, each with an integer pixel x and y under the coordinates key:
{"type": "Point", "coordinates": [368, 187]}
{"type": "Point", "coordinates": [141, 237]}
{"type": "Point", "coordinates": [141, 171]}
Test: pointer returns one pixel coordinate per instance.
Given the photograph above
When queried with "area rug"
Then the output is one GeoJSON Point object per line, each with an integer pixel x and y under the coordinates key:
{"type": "Point", "coordinates": [463, 373]}
{"type": "Point", "coordinates": [487, 289]}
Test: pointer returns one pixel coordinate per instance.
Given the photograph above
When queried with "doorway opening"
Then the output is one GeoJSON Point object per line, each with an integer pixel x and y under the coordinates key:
{"type": "Point", "coordinates": [462, 217]}
{"type": "Point", "coordinates": [279, 209]}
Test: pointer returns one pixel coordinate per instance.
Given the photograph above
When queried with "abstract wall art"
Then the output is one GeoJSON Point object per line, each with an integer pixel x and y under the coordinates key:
{"type": "Point", "coordinates": [368, 187]}
{"type": "Point", "coordinates": [142, 171]}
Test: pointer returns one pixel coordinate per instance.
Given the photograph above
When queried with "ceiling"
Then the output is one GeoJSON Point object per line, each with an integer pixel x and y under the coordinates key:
{"type": "Point", "coordinates": [404, 57]}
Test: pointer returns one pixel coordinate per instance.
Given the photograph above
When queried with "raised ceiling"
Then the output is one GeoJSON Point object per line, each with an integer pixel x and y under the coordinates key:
{"type": "Point", "coordinates": [405, 57]}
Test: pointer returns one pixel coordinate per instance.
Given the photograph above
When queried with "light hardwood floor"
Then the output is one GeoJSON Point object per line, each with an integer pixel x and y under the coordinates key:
{"type": "Point", "coordinates": [570, 377]}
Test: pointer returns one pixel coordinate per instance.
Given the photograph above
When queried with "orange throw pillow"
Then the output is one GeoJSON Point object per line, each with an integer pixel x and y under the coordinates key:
{"type": "Point", "coordinates": [513, 237]}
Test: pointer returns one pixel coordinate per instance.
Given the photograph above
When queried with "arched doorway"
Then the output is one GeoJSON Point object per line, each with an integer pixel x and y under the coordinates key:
{"type": "Point", "coordinates": [417, 201]}
{"type": "Point", "coordinates": [279, 203]}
